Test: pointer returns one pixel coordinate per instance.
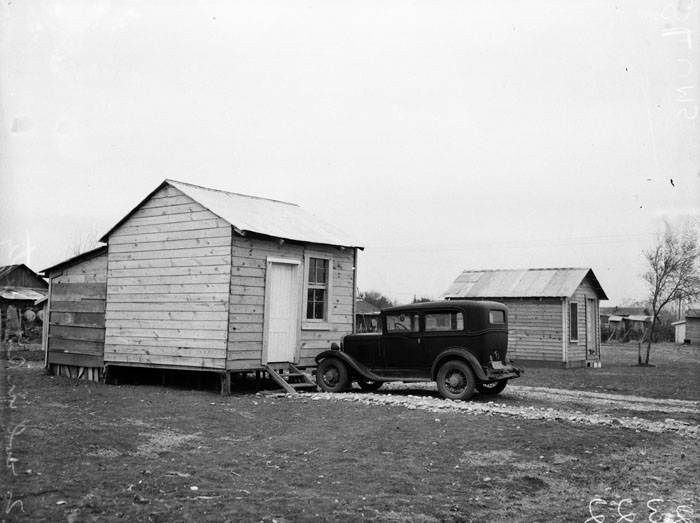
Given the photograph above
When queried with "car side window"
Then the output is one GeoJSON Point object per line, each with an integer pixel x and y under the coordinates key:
{"type": "Point", "coordinates": [444, 321]}
{"type": "Point", "coordinates": [405, 322]}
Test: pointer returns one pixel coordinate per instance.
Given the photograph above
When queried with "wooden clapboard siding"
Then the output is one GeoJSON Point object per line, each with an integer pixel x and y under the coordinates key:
{"type": "Point", "coordinates": [534, 329]}
{"type": "Point", "coordinates": [342, 302]}
{"type": "Point", "coordinates": [76, 313]}
{"type": "Point", "coordinates": [247, 296]}
{"type": "Point", "coordinates": [247, 299]}
{"type": "Point", "coordinates": [576, 350]}
{"type": "Point", "coordinates": [168, 287]}
{"type": "Point", "coordinates": [692, 330]}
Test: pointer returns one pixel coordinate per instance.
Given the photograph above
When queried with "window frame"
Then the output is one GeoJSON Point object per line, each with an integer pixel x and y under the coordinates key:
{"type": "Point", "coordinates": [426, 313]}
{"type": "Point", "coordinates": [317, 323]}
{"type": "Point", "coordinates": [573, 325]}
{"type": "Point", "coordinates": [419, 323]}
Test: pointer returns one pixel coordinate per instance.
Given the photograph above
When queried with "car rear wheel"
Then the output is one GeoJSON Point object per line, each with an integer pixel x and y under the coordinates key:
{"type": "Point", "coordinates": [491, 388]}
{"type": "Point", "coordinates": [369, 386]}
{"type": "Point", "coordinates": [455, 380]}
{"type": "Point", "coordinates": [332, 375]}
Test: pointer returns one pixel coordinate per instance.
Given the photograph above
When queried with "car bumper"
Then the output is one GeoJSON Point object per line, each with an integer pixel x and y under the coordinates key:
{"type": "Point", "coordinates": [497, 370]}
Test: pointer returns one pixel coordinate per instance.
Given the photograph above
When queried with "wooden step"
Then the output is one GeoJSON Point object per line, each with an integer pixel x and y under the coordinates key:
{"type": "Point", "coordinates": [292, 380]}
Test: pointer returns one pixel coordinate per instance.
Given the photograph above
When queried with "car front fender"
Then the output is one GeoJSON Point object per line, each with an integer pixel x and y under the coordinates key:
{"type": "Point", "coordinates": [458, 353]}
{"type": "Point", "coordinates": [357, 367]}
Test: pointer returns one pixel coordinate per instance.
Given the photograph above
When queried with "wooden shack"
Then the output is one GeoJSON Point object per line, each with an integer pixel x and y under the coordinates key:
{"type": "Point", "coordinates": [20, 289]}
{"type": "Point", "coordinates": [687, 330]}
{"type": "Point", "coordinates": [74, 338]}
{"type": "Point", "coordinates": [553, 313]}
{"type": "Point", "coordinates": [203, 279]}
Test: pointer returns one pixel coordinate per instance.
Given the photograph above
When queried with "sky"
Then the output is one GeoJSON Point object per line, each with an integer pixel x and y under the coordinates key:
{"type": "Point", "coordinates": [445, 135]}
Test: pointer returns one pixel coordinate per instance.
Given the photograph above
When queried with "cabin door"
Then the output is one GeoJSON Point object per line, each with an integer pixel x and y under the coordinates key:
{"type": "Point", "coordinates": [592, 345]}
{"type": "Point", "coordinates": [281, 310]}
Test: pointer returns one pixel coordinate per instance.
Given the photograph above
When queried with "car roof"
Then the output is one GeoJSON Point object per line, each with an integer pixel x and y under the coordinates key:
{"type": "Point", "coordinates": [447, 304]}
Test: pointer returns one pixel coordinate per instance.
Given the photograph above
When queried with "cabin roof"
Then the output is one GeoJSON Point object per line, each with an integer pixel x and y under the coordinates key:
{"type": "Point", "coordinates": [522, 283]}
{"type": "Point", "coordinates": [24, 275]}
{"type": "Point", "coordinates": [77, 259]}
{"type": "Point", "coordinates": [253, 214]}
{"type": "Point", "coordinates": [362, 307]}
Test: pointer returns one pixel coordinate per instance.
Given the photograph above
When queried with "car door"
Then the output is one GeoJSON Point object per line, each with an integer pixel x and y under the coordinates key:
{"type": "Point", "coordinates": [442, 329]}
{"type": "Point", "coordinates": [401, 344]}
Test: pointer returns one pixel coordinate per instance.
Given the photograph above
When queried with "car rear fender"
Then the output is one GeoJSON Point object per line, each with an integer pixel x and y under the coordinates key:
{"type": "Point", "coordinates": [356, 367]}
{"type": "Point", "coordinates": [458, 353]}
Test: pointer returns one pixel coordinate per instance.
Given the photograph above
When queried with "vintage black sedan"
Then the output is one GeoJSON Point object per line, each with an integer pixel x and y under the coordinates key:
{"type": "Point", "coordinates": [460, 344]}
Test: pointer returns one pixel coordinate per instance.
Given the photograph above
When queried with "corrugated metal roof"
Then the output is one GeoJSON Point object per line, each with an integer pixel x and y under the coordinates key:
{"type": "Point", "coordinates": [260, 215]}
{"type": "Point", "coordinates": [525, 283]}
{"type": "Point", "coordinates": [20, 294]}
{"type": "Point", "coordinates": [639, 317]}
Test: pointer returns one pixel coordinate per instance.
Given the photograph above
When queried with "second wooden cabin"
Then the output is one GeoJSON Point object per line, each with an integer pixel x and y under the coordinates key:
{"type": "Point", "coordinates": [553, 314]}
{"type": "Point", "coordinates": [202, 279]}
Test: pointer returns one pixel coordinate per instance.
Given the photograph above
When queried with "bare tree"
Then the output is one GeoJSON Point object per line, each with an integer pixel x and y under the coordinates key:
{"type": "Point", "coordinates": [377, 299]}
{"type": "Point", "coordinates": [81, 241]}
{"type": "Point", "coordinates": [672, 272]}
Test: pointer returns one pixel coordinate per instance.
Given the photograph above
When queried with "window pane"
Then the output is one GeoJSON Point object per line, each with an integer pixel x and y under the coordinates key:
{"type": "Point", "coordinates": [312, 270]}
{"type": "Point", "coordinates": [322, 271]}
{"type": "Point", "coordinates": [318, 312]}
{"type": "Point", "coordinates": [318, 271]}
{"type": "Point", "coordinates": [444, 321]}
{"type": "Point", "coordinates": [402, 322]}
{"type": "Point", "coordinates": [316, 304]}
{"type": "Point", "coordinates": [573, 307]}
{"type": "Point", "coordinates": [496, 316]}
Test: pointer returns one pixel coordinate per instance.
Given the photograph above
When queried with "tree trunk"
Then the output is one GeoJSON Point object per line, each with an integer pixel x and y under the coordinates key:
{"type": "Point", "coordinates": [651, 333]}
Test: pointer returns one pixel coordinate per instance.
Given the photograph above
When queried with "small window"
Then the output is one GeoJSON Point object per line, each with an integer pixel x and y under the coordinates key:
{"type": "Point", "coordinates": [496, 316]}
{"type": "Point", "coordinates": [444, 321]}
{"type": "Point", "coordinates": [573, 321]}
{"type": "Point", "coordinates": [317, 289]}
{"type": "Point", "coordinates": [407, 322]}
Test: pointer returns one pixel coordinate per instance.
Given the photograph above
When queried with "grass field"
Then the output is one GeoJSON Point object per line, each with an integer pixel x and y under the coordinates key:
{"type": "Point", "coordinates": [92, 452]}
{"type": "Point", "coordinates": [675, 374]}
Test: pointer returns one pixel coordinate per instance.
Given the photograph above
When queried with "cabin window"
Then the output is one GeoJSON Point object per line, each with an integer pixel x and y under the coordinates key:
{"type": "Point", "coordinates": [317, 289]}
{"type": "Point", "coordinates": [406, 322]}
{"type": "Point", "coordinates": [444, 321]}
{"type": "Point", "coordinates": [573, 321]}
{"type": "Point", "coordinates": [496, 316]}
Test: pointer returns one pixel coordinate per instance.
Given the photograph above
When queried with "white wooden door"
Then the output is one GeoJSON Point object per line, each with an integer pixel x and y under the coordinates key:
{"type": "Point", "coordinates": [592, 317]}
{"type": "Point", "coordinates": [281, 307]}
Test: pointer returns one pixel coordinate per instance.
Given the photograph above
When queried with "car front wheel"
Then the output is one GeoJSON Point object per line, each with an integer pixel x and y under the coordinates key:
{"type": "Point", "coordinates": [455, 380]}
{"type": "Point", "coordinates": [491, 388]}
{"type": "Point", "coordinates": [332, 375]}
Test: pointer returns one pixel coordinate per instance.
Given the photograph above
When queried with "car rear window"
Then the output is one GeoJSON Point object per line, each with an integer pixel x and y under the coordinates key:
{"type": "Point", "coordinates": [496, 316]}
{"type": "Point", "coordinates": [444, 321]}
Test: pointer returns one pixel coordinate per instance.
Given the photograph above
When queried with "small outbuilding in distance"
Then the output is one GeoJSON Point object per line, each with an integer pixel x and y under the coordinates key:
{"type": "Point", "coordinates": [687, 330]}
{"type": "Point", "coordinates": [553, 313]}
{"type": "Point", "coordinates": [194, 278]}
{"type": "Point", "coordinates": [20, 289]}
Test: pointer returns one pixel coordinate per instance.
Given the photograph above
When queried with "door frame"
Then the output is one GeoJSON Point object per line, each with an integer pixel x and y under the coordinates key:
{"type": "Point", "coordinates": [592, 319]}
{"type": "Point", "coordinates": [297, 304]}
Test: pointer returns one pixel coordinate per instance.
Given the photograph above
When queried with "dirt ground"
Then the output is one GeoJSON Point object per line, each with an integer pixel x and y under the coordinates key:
{"type": "Point", "coordinates": [539, 452]}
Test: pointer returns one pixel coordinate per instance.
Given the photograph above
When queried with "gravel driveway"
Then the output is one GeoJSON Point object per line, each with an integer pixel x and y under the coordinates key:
{"type": "Point", "coordinates": [558, 405]}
